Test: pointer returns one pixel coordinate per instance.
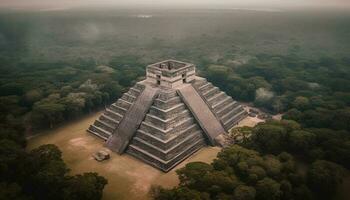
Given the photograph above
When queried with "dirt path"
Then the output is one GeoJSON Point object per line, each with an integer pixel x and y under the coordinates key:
{"type": "Point", "coordinates": [128, 178]}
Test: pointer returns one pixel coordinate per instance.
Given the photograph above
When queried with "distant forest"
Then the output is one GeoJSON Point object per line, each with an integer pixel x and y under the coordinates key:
{"type": "Point", "coordinates": [58, 66]}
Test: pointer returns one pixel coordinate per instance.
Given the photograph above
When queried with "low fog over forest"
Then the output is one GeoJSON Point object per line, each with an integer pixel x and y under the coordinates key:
{"type": "Point", "coordinates": [179, 3]}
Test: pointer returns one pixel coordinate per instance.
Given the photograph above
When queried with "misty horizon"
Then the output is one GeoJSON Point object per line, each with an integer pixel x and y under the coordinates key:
{"type": "Point", "coordinates": [218, 4]}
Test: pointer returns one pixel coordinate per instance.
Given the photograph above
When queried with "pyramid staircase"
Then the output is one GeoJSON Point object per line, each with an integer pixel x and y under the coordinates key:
{"type": "Point", "coordinates": [108, 122]}
{"type": "Point", "coordinates": [228, 111]}
{"type": "Point", "coordinates": [164, 126]}
{"type": "Point", "coordinates": [168, 134]}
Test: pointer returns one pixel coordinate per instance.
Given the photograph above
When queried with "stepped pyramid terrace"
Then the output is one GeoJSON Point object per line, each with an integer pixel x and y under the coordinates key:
{"type": "Point", "coordinates": [168, 116]}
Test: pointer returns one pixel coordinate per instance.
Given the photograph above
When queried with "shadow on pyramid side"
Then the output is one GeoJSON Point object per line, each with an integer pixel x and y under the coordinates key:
{"type": "Point", "coordinates": [167, 117]}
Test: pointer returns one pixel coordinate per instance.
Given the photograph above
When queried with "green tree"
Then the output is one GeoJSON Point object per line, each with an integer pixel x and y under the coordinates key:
{"type": "Point", "coordinates": [192, 173]}
{"type": "Point", "coordinates": [218, 74]}
{"type": "Point", "coordinates": [324, 177]}
{"type": "Point", "coordinates": [270, 138]}
{"type": "Point", "coordinates": [32, 96]}
{"type": "Point", "coordinates": [233, 155]}
{"type": "Point", "coordinates": [113, 89]}
{"type": "Point", "coordinates": [50, 112]}
{"type": "Point", "coordinates": [302, 193]}
{"type": "Point", "coordinates": [88, 186]}
{"type": "Point", "coordinates": [293, 114]}
{"type": "Point", "coordinates": [11, 158]}
{"type": "Point", "coordinates": [47, 179]}
{"type": "Point", "coordinates": [301, 141]}
{"type": "Point", "coordinates": [244, 192]}
{"type": "Point", "coordinates": [182, 193]}
{"type": "Point", "coordinates": [268, 189]}
{"type": "Point", "coordinates": [11, 191]}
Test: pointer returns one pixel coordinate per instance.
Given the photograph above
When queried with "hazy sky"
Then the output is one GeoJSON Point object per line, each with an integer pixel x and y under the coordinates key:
{"type": "Point", "coordinates": [184, 3]}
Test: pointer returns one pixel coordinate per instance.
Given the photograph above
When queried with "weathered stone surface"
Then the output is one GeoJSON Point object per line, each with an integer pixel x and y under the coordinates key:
{"type": "Point", "coordinates": [169, 116]}
{"type": "Point", "coordinates": [101, 155]}
{"type": "Point", "coordinates": [131, 121]}
{"type": "Point", "coordinates": [204, 116]}
{"type": "Point", "coordinates": [104, 126]}
{"type": "Point", "coordinates": [166, 133]}
{"type": "Point", "coordinates": [226, 110]}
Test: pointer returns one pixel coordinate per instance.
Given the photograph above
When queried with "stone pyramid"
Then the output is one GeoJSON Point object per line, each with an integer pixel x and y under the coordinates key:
{"type": "Point", "coordinates": [168, 116]}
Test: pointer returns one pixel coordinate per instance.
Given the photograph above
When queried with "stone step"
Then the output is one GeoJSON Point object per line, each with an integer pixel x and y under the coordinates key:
{"type": "Point", "coordinates": [168, 103]}
{"type": "Point", "coordinates": [135, 92]}
{"type": "Point", "coordinates": [225, 109]}
{"type": "Point", "coordinates": [231, 113]}
{"type": "Point", "coordinates": [234, 117]}
{"type": "Point", "coordinates": [155, 130]}
{"type": "Point", "coordinates": [105, 122]}
{"type": "Point", "coordinates": [216, 98]}
{"type": "Point", "coordinates": [128, 97]}
{"type": "Point", "coordinates": [167, 143]}
{"type": "Point", "coordinates": [99, 132]}
{"type": "Point", "coordinates": [162, 164]}
{"type": "Point", "coordinates": [169, 122]}
{"type": "Point", "coordinates": [231, 110]}
{"type": "Point", "coordinates": [167, 113]}
{"type": "Point", "coordinates": [223, 102]}
{"type": "Point", "coordinates": [122, 103]}
{"type": "Point", "coordinates": [188, 141]}
{"type": "Point", "coordinates": [157, 120]}
{"type": "Point", "coordinates": [211, 92]}
{"type": "Point", "coordinates": [132, 119]}
{"type": "Point", "coordinates": [109, 120]}
{"type": "Point", "coordinates": [205, 87]}
{"type": "Point", "coordinates": [170, 152]}
{"type": "Point", "coordinates": [236, 120]}
{"type": "Point", "coordinates": [167, 95]}
{"type": "Point", "coordinates": [167, 133]}
{"type": "Point", "coordinates": [114, 115]}
{"type": "Point", "coordinates": [101, 124]}
{"type": "Point", "coordinates": [96, 134]}
{"type": "Point", "coordinates": [118, 109]}
{"type": "Point", "coordinates": [199, 83]}
{"type": "Point", "coordinates": [139, 86]}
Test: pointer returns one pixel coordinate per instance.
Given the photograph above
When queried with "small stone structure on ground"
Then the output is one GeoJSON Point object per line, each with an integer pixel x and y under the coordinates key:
{"type": "Point", "coordinates": [168, 116]}
{"type": "Point", "coordinates": [101, 155]}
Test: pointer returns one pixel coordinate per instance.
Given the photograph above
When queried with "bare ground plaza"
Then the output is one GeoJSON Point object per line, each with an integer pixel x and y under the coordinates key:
{"type": "Point", "coordinates": [128, 177]}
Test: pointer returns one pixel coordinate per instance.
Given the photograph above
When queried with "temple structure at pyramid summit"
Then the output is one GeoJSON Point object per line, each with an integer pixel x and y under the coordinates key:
{"type": "Point", "coordinates": [168, 116]}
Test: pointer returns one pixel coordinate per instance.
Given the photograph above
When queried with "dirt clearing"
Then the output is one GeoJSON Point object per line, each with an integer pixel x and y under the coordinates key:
{"type": "Point", "coordinates": [128, 178]}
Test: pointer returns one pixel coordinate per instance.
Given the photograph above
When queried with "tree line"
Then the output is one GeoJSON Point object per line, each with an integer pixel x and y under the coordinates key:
{"type": "Point", "coordinates": [35, 96]}
{"type": "Point", "coordinates": [243, 174]}
{"type": "Point", "coordinates": [313, 92]}
{"type": "Point", "coordinates": [304, 156]}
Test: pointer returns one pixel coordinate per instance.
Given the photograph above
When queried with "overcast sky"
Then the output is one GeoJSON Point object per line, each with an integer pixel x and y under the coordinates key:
{"type": "Point", "coordinates": [183, 3]}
